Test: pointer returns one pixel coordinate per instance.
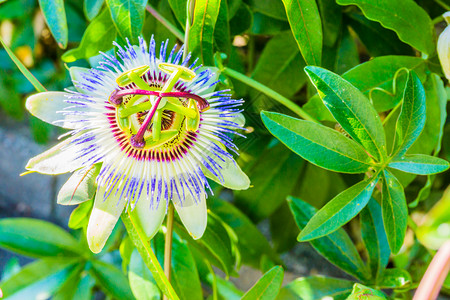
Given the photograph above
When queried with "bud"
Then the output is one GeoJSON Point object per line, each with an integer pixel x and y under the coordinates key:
{"type": "Point", "coordinates": [443, 47]}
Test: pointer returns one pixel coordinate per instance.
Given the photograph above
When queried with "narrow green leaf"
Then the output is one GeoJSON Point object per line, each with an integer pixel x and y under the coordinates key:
{"type": "Point", "coordinates": [306, 26]}
{"type": "Point", "coordinates": [419, 164]}
{"type": "Point", "coordinates": [395, 211]}
{"type": "Point", "coordinates": [36, 238]}
{"type": "Point", "coordinates": [55, 16]}
{"type": "Point", "coordinates": [316, 288]}
{"type": "Point", "coordinates": [339, 210]}
{"type": "Point", "coordinates": [411, 120]}
{"type": "Point", "coordinates": [202, 30]}
{"type": "Point", "coordinates": [351, 109]}
{"type": "Point", "coordinates": [79, 217]}
{"type": "Point", "coordinates": [69, 287]}
{"type": "Point", "coordinates": [91, 8]}
{"type": "Point", "coordinates": [331, 15]}
{"type": "Point", "coordinates": [336, 247]}
{"type": "Point", "coordinates": [318, 144]}
{"type": "Point", "coordinates": [30, 77]}
{"type": "Point", "coordinates": [374, 237]}
{"type": "Point", "coordinates": [397, 15]}
{"type": "Point", "coordinates": [98, 36]}
{"type": "Point", "coordinates": [267, 287]}
{"type": "Point", "coordinates": [128, 17]}
{"type": "Point", "coordinates": [222, 37]}
{"type": "Point", "coordinates": [141, 281]}
{"type": "Point", "coordinates": [111, 280]}
{"type": "Point", "coordinates": [43, 277]}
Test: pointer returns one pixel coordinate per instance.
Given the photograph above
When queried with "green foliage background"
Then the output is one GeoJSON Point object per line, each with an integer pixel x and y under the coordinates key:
{"type": "Point", "coordinates": [363, 75]}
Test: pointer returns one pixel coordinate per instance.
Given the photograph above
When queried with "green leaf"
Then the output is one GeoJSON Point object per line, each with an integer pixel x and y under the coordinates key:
{"type": "Point", "coordinates": [331, 15]}
{"type": "Point", "coordinates": [395, 211]}
{"type": "Point", "coordinates": [419, 164]}
{"type": "Point", "coordinates": [280, 67]}
{"type": "Point", "coordinates": [267, 287]}
{"type": "Point", "coordinates": [261, 24]}
{"type": "Point", "coordinates": [79, 217]}
{"type": "Point", "coordinates": [318, 144]}
{"type": "Point", "coordinates": [141, 281]}
{"type": "Point", "coordinates": [69, 287]}
{"type": "Point", "coordinates": [395, 279]}
{"type": "Point", "coordinates": [361, 291]}
{"type": "Point", "coordinates": [241, 21]}
{"type": "Point", "coordinates": [251, 243]}
{"type": "Point", "coordinates": [273, 176]}
{"type": "Point", "coordinates": [374, 237]}
{"type": "Point", "coordinates": [36, 238]}
{"type": "Point", "coordinates": [336, 247]}
{"type": "Point", "coordinates": [43, 277]}
{"type": "Point", "coordinates": [128, 17]}
{"type": "Point", "coordinates": [351, 109]}
{"type": "Point", "coordinates": [306, 26]}
{"type": "Point", "coordinates": [269, 8]}
{"type": "Point", "coordinates": [316, 288]}
{"type": "Point", "coordinates": [411, 120]}
{"type": "Point", "coordinates": [98, 36]}
{"type": "Point", "coordinates": [222, 29]}
{"type": "Point", "coordinates": [202, 30]}
{"type": "Point", "coordinates": [339, 210]}
{"type": "Point", "coordinates": [55, 17]}
{"type": "Point", "coordinates": [10, 268]}
{"type": "Point", "coordinates": [80, 187]}
{"type": "Point", "coordinates": [179, 10]}
{"type": "Point", "coordinates": [111, 280]}
{"type": "Point", "coordinates": [397, 15]}
{"type": "Point", "coordinates": [91, 8]}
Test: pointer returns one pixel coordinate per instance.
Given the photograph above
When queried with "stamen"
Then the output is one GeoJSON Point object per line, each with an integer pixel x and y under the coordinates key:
{"type": "Point", "coordinates": [137, 140]}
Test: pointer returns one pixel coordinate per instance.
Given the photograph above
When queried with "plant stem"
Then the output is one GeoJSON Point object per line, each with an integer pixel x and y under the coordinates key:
{"type": "Point", "coordinates": [139, 239]}
{"type": "Point", "coordinates": [168, 242]}
{"type": "Point", "coordinates": [172, 28]}
{"type": "Point", "coordinates": [442, 4]}
{"type": "Point", "coordinates": [269, 92]}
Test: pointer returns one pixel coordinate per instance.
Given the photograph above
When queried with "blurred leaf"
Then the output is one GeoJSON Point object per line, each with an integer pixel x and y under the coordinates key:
{"type": "Point", "coordinates": [126, 250]}
{"type": "Point", "coordinates": [316, 288]}
{"type": "Point", "coordinates": [40, 130]}
{"type": "Point", "coordinates": [80, 187]}
{"type": "Point", "coordinates": [374, 238]}
{"type": "Point", "coordinates": [55, 16]}
{"type": "Point", "coordinates": [347, 53]}
{"type": "Point", "coordinates": [98, 36]}
{"type": "Point", "coordinates": [251, 243]}
{"type": "Point", "coordinates": [318, 144]}
{"type": "Point", "coordinates": [431, 232]}
{"type": "Point", "coordinates": [377, 39]}
{"type": "Point", "coordinates": [12, 9]}
{"type": "Point", "coordinates": [331, 15]}
{"type": "Point", "coordinates": [361, 291]}
{"type": "Point", "coordinates": [202, 30]}
{"type": "Point", "coordinates": [273, 177]}
{"type": "Point", "coordinates": [111, 280]}
{"type": "Point", "coordinates": [265, 25]}
{"type": "Point", "coordinates": [242, 20]}
{"type": "Point", "coordinates": [128, 17]}
{"type": "Point", "coordinates": [153, 27]}
{"type": "Point", "coordinates": [10, 100]}
{"type": "Point", "coordinates": [419, 164]}
{"type": "Point", "coordinates": [215, 244]}
{"type": "Point", "coordinates": [280, 67]}
{"type": "Point", "coordinates": [270, 8]}
{"type": "Point", "coordinates": [267, 287]}
{"type": "Point", "coordinates": [36, 238]}
{"type": "Point", "coordinates": [283, 231]}
{"type": "Point", "coordinates": [351, 109]}
{"type": "Point", "coordinates": [411, 120]}
{"type": "Point", "coordinates": [306, 26]}
{"type": "Point", "coordinates": [43, 277]}
{"type": "Point", "coordinates": [80, 216]}
{"type": "Point", "coordinates": [69, 287]}
{"type": "Point", "coordinates": [395, 211]}
{"type": "Point", "coordinates": [10, 268]}
{"type": "Point", "coordinates": [84, 288]}
{"type": "Point", "coordinates": [339, 210]}
{"type": "Point", "coordinates": [222, 37]}
{"type": "Point", "coordinates": [336, 247]}
{"type": "Point", "coordinates": [396, 15]}
{"type": "Point", "coordinates": [92, 8]}
{"type": "Point", "coordinates": [179, 10]}
{"type": "Point", "coordinates": [395, 279]}
{"type": "Point", "coordinates": [141, 281]}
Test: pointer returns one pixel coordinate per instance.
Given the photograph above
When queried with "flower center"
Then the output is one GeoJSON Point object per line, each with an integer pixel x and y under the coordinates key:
{"type": "Point", "coordinates": [155, 116]}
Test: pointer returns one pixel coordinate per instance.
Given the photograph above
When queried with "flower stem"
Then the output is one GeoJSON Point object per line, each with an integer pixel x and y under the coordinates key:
{"type": "Point", "coordinates": [137, 235]}
{"type": "Point", "coordinates": [168, 241]}
{"type": "Point", "coordinates": [269, 92]}
{"type": "Point", "coordinates": [165, 22]}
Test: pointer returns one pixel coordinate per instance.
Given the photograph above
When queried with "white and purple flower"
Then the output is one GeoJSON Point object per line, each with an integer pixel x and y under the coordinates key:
{"type": "Point", "coordinates": [145, 130]}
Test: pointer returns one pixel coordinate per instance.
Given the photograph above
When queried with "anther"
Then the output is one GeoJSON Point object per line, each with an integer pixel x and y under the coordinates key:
{"type": "Point", "coordinates": [137, 140]}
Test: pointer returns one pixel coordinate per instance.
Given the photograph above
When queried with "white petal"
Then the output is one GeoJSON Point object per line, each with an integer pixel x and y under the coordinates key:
{"type": "Point", "coordinates": [48, 105]}
{"type": "Point", "coordinates": [194, 216]}
{"type": "Point", "coordinates": [149, 218]}
{"type": "Point", "coordinates": [233, 176]}
{"type": "Point", "coordinates": [56, 160]}
{"type": "Point", "coordinates": [103, 218]}
{"type": "Point", "coordinates": [80, 187]}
